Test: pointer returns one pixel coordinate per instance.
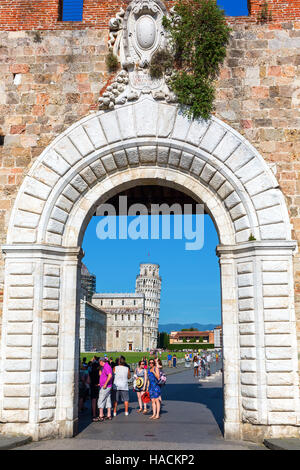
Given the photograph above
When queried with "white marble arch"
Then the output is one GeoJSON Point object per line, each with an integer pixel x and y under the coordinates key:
{"type": "Point", "coordinates": [148, 143]}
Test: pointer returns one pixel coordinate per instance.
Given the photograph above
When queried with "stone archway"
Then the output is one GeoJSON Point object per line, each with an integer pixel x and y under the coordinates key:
{"type": "Point", "coordinates": [104, 153]}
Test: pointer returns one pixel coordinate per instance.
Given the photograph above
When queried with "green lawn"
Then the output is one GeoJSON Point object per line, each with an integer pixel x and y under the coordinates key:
{"type": "Point", "coordinates": [131, 357]}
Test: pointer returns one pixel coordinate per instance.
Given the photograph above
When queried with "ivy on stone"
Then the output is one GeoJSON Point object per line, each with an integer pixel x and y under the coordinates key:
{"type": "Point", "coordinates": [199, 35]}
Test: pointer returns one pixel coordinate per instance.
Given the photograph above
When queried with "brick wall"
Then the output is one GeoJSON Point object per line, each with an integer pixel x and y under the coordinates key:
{"type": "Point", "coordinates": [280, 9]}
{"type": "Point", "coordinates": [46, 14]}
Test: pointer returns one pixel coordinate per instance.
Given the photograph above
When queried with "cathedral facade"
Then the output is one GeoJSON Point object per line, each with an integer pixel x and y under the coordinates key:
{"type": "Point", "coordinates": [122, 321]}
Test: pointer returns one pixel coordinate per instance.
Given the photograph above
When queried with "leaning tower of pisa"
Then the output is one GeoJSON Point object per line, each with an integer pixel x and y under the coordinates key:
{"type": "Point", "coordinates": [148, 282]}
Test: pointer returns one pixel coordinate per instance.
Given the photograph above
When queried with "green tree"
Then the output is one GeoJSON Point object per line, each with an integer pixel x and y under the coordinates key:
{"type": "Point", "coordinates": [163, 340]}
{"type": "Point", "coordinates": [199, 36]}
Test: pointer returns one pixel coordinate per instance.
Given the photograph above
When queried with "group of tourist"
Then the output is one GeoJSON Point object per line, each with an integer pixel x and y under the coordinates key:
{"type": "Point", "coordinates": [172, 360]}
{"type": "Point", "coordinates": [106, 382]}
{"type": "Point", "coordinates": [202, 363]}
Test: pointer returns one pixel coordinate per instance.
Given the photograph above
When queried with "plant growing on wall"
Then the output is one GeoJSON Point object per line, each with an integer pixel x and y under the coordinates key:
{"type": "Point", "coordinates": [265, 14]}
{"type": "Point", "coordinates": [199, 35]}
{"type": "Point", "coordinates": [112, 62]}
{"type": "Point", "coordinates": [161, 61]}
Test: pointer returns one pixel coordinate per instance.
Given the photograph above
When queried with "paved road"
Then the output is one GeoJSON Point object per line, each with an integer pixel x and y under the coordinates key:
{"type": "Point", "coordinates": [191, 418]}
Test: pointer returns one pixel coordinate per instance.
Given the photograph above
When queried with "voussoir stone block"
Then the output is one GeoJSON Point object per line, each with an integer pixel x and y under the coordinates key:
{"type": "Point", "coordinates": [148, 154]}
{"type": "Point", "coordinates": [98, 169]}
{"type": "Point", "coordinates": [212, 137]}
{"type": "Point", "coordinates": [146, 115]}
{"type": "Point", "coordinates": [45, 175]}
{"type": "Point", "coordinates": [133, 156]}
{"type": "Point", "coordinates": [33, 203]}
{"type": "Point", "coordinates": [174, 157]}
{"type": "Point", "coordinates": [109, 163]}
{"type": "Point", "coordinates": [186, 160]}
{"type": "Point", "coordinates": [71, 193]}
{"type": "Point", "coordinates": [88, 175]}
{"type": "Point", "coordinates": [120, 159]}
{"type": "Point", "coordinates": [37, 189]}
{"type": "Point", "coordinates": [126, 121]}
{"type": "Point", "coordinates": [259, 184]}
{"type": "Point", "coordinates": [110, 126]}
{"type": "Point", "coordinates": [207, 173]}
{"type": "Point", "coordinates": [54, 161]}
{"type": "Point", "coordinates": [226, 146]}
{"type": "Point", "coordinates": [68, 151]}
{"type": "Point", "coordinates": [79, 183]}
{"type": "Point", "coordinates": [217, 181]}
{"type": "Point", "coordinates": [81, 141]}
{"type": "Point", "coordinates": [181, 127]}
{"type": "Point", "coordinates": [95, 133]}
{"type": "Point", "coordinates": [166, 120]}
{"type": "Point", "coordinates": [162, 155]}
{"type": "Point", "coordinates": [239, 158]}
{"type": "Point", "coordinates": [197, 166]}
{"type": "Point", "coordinates": [26, 219]}
{"type": "Point", "coordinates": [249, 171]}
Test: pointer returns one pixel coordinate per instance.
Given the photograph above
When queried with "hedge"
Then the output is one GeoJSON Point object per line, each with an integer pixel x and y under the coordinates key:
{"type": "Point", "coordinates": [194, 346]}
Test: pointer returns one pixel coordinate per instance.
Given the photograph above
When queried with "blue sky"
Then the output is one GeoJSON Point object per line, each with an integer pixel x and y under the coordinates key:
{"type": "Point", "coordinates": [234, 7]}
{"type": "Point", "coordinates": [190, 279]}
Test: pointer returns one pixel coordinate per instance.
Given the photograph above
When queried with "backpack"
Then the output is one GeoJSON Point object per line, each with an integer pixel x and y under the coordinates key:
{"type": "Point", "coordinates": [162, 379]}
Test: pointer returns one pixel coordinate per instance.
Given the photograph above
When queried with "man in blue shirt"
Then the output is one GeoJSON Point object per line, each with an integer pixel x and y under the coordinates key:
{"type": "Point", "coordinates": [169, 360]}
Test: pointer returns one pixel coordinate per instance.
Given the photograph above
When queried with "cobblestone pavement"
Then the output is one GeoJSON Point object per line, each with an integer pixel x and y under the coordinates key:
{"type": "Point", "coordinates": [191, 418]}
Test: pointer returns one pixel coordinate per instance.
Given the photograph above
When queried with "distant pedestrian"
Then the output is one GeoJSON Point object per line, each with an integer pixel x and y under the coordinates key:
{"type": "Point", "coordinates": [122, 374]}
{"type": "Point", "coordinates": [84, 363]}
{"type": "Point", "coordinates": [174, 360]}
{"type": "Point", "coordinates": [146, 362]}
{"type": "Point", "coordinates": [111, 363]}
{"type": "Point", "coordinates": [169, 360]}
{"type": "Point", "coordinates": [187, 360]}
{"type": "Point", "coordinates": [105, 384]}
{"type": "Point", "coordinates": [196, 366]}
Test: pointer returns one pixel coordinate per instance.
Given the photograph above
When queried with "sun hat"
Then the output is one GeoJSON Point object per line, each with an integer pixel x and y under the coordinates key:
{"type": "Point", "coordinates": [139, 382]}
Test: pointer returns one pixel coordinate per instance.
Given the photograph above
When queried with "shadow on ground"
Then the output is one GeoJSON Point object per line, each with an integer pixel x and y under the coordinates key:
{"type": "Point", "coordinates": [183, 403]}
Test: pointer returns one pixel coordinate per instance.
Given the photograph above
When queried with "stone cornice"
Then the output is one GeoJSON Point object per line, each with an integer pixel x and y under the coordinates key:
{"type": "Point", "coordinates": [268, 247]}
